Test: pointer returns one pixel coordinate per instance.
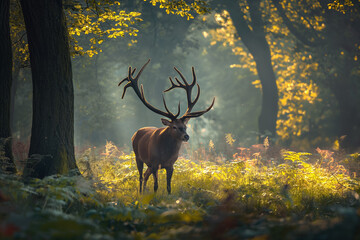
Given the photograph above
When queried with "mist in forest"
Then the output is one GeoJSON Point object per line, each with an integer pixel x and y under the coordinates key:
{"type": "Point", "coordinates": [101, 115]}
{"type": "Point", "coordinates": [308, 114]}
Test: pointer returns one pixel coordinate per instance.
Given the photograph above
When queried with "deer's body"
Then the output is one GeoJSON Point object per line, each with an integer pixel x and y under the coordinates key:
{"type": "Point", "coordinates": [155, 146]}
{"type": "Point", "coordinates": [159, 147]}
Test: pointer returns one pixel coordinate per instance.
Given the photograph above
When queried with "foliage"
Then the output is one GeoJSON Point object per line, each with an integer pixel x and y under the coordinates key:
{"type": "Point", "coordinates": [99, 20]}
{"type": "Point", "coordinates": [316, 29]}
{"type": "Point", "coordinates": [251, 192]}
{"type": "Point", "coordinates": [229, 139]}
{"type": "Point", "coordinates": [18, 35]}
{"type": "Point", "coordinates": [341, 6]}
{"type": "Point", "coordinates": [297, 92]}
{"type": "Point", "coordinates": [89, 22]}
{"type": "Point", "coordinates": [182, 8]}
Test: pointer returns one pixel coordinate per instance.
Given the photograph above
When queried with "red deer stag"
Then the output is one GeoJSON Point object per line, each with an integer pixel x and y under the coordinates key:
{"type": "Point", "coordinates": [159, 147]}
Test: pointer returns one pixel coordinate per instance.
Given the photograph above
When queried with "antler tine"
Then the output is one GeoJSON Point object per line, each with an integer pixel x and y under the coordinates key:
{"type": "Point", "coordinates": [180, 83]}
{"type": "Point", "coordinates": [191, 104]}
{"type": "Point", "coordinates": [167, 114]}
{"type": "Point", "coordinates": [128, 84]}
{"type": "Point", "coordinates": [127, 78]}
{"type": "Point", "coordinates": [182, 77]}
{"type": "Point", "coordinates": [122, 81]}
{"type": "Point", "coordinates": [187, 87]}
{"type": "Point", "coordinates": [173, 85]}
{"type": "Point", "coordinates": [138, 75]}
{"type": "Point", "coordinates": [133, 82]}
{"type": "Point", "coordinates": [199, 113]}
{"type": "Point", "coordinates": [194, 76]}
{"type": "Point", "coordinates": [177, 114]}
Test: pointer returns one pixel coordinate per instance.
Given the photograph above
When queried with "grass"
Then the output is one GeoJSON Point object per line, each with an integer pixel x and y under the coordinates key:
{"type": "Point", "coordinates": [251, 195]}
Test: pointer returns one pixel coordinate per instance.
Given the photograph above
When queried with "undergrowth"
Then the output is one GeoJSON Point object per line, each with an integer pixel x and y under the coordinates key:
{"type": "Point", "coordinates": [250, 195]}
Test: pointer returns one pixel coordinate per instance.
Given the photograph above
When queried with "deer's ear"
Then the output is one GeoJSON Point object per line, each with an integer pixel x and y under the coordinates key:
{"type": "Point", "coordinates": [165, 122]}
{"type": "Point", "coordinates": [186, 120]}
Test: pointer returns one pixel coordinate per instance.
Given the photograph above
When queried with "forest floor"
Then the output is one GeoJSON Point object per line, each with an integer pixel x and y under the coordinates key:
{"type": "Point", "coordinates": [245, 195]}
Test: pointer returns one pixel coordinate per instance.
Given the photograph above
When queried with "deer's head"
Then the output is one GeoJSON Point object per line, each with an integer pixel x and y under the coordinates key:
{"type": "Point", "coordinates": [176, 124]}
{"type": "Point", "coordinates": [177, 128]}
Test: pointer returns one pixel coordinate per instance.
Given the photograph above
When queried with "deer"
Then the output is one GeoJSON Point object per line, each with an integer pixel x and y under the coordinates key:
{"type": "Point", "coordinates": [159, 148]}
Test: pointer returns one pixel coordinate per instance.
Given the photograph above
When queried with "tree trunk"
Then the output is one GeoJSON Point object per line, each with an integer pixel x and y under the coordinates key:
{"type": "Point", "coordinates": [14, 87]}
{"type": "Point", "coordinates": [52, 134]}
{"type": "Point", "coordinates": [270, 97]}
{"type": "Point", "coordinates": [254, 38]}
{"type": "Point", "coordinates": [346, 94]}
{"type": "Point", "coordinates": [6, 164]}
{"type": "Point", "coordinates": [349, 122]}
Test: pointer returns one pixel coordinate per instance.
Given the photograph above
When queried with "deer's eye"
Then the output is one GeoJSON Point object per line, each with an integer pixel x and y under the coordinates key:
{"type": "Point", "coordinates": [174, 128]}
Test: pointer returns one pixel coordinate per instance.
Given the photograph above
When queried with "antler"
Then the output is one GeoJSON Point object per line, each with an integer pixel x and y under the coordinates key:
{"type": "Point", "coordinates": [133, 82]}
{"type": "Point", "coordinates": [188, 88]}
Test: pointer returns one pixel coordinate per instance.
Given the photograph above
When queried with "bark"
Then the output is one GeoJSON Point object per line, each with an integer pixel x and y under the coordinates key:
{"type": "Point", "coordinates": [346, 93]}
{"type": "Point", "coordinates": [254, 39]}
{"type": "Point", "coordinates": [349, 122]}
{"type": "Point", "coordinates": [6, 164]}
{"type": "Point", "coordinates": [52, 134]}
{"type": "Point", "coordinates": [14, 87]}
{"type": "Point", "coordinates": [269, 107]}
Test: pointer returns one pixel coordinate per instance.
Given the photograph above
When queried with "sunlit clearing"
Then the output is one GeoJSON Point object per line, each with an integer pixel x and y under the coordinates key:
{"type": "Point", "coordinates": [287, 183]}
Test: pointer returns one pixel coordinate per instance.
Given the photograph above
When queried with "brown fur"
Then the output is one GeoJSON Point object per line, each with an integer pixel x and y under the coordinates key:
{"type": "Point", "coordinates": [158, 148]}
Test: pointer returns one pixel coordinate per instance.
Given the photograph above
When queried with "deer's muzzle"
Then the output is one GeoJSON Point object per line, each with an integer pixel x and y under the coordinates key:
{"type": "Point", "coordinates": [186, 138]}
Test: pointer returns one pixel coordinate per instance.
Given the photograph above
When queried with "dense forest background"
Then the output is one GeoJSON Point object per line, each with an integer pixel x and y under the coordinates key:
{"type": "Point", "coordinates": [315, 67]}
{"type": "Point", "coordinates": [280, 144]}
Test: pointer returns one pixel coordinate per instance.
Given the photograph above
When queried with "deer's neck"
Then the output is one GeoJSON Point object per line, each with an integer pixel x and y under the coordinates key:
{"type": "Point", "coordinates": [170, 141]}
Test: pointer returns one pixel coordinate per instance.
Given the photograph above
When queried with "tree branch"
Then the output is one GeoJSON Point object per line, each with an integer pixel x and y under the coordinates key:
{"type": "Point", "coordinates": [257, 22]}
{"type": "Point", "coordinates": [239, 21]}
{"type": "Point", "coordinates": [290, 25]}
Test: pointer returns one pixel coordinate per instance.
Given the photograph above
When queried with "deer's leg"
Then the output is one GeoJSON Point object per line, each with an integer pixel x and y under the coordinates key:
{"type": "Point", "coordinates": [155, 175]}
{"type": "Point", "coordinates": [140, 166]}
{"type": "Point", "coordinates": [146, 177]}
{"type": "Point", "coordinates": [169, 172]}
